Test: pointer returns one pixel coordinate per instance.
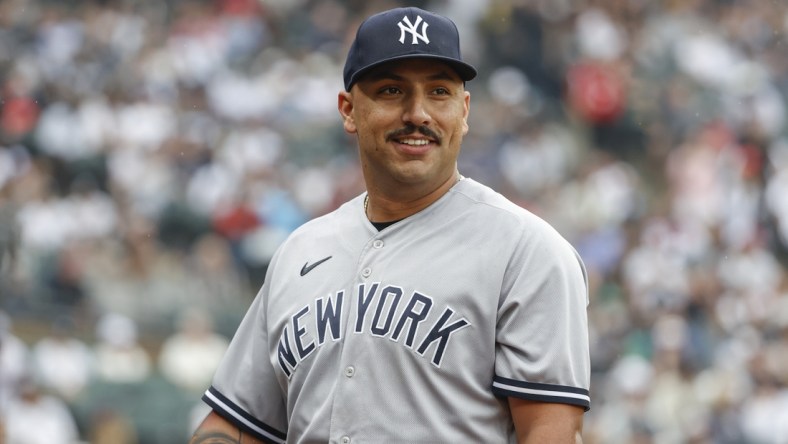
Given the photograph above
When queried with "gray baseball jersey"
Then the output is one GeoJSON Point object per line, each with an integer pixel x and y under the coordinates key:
{"type": "Point", "coordinates": [415, 333]}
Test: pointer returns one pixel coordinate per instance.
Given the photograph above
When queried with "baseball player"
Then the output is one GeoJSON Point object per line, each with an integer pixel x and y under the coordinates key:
{"type": "Point", "coordinates": [428, 309]}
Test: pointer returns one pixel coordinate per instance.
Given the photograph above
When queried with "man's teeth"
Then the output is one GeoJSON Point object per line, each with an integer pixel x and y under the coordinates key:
{"type": "Point", "coordinates": [415, 142]}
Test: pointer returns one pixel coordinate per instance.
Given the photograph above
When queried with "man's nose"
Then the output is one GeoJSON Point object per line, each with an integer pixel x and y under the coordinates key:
{"type": "Point", "coordinates": [416, 111]}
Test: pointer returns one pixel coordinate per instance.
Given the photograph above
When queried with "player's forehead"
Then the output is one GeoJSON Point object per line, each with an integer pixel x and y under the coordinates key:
{"type": "Point", "coordinates": [412, 69]}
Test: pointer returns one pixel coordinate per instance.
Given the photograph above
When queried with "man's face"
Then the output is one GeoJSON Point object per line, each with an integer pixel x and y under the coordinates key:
{"type": "Point", "coordinates": [409, 117]}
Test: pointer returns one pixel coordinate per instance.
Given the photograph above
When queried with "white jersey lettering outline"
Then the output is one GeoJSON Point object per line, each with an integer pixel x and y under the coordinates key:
{"type": "Point", "coordinates": [285, 355]}
{"type": "Point", "coordinates": [330, 317]}
{"type": "Point", "coordinates": [439, 332]}
{"type": "Point", "coordinates": [299, 332]}
{"type": "Point", "coordinates": [410, 314]}
{"type": "Point", "coordinates": [327, 315]}
{"type": "Point", "coordinates": [363, 305]}
{"type": "Point", "coordinates": [375, 329]}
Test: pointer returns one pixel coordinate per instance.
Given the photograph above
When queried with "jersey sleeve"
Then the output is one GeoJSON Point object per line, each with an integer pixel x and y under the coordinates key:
{"type": "Point", "coordinates": [245, 390]}
{"type": "Point", "coordinates": [542, 349]}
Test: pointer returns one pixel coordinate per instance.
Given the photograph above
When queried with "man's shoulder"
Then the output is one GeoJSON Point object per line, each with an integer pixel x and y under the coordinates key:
{"type": "Point", "coordinates": [485, 199]}
{"type": "Point", "coordinates": [500, 214]}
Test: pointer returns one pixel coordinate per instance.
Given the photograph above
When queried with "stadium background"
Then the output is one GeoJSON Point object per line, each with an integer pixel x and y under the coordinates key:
{"type": "Point", "coordinates": [153, 155]}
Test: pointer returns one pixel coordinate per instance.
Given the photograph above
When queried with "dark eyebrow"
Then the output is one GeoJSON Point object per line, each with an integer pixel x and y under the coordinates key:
{"type": "Point", "coordinates": [382, 74]}
{"type": "Point", "coordinates": [443, 75]}
{"type": "Point", "coordinates": [385, 74]}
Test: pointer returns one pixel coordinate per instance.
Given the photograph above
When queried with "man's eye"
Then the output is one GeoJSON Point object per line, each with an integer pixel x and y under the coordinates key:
{"type": "Point", "coordinates": [441, 91]}
{"type": "Point", "coordinates": [389, 90]}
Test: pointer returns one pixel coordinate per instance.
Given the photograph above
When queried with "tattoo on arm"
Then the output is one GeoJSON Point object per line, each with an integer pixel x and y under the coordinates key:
{"type": "Point", "coordinates": [215, 438]}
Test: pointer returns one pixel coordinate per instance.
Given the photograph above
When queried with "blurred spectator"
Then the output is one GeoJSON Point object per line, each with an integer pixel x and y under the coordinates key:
{"type": "Point", "coordinates": [14, 363]}
{"type": "Point", "coordinates": [764, 418]}
{"type": "Point", "coordinates": [138, 277]}
{"type": "Point", "coordinates": [218, 283]}
{"type": "Point", "coordinates": [189, 357]}
{"type": "Point", "coordinates": [63, 363]}
{"type": "Point", "coordinates": [35, 417]}
{"type": "Point", "coordinates": [622, 416]}
{"type": "Point", "coordinates": [119, 357]}
{"type": "Point", "coordinates": [9, 231]}
{"type": "Point", "coordinates": [109, 427]}
{"type": "Point", "coordinates": [64, 288]}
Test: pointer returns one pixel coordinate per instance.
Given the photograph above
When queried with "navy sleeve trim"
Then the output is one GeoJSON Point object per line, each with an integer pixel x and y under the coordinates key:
{"type": "Point", "coordinates": [535, 391]}
{"type": "Point", "coordinates": [238, 416]}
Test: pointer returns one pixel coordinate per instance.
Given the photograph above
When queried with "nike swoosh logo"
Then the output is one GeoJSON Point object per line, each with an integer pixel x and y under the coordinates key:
{"type": "Point", "coordinates": [307, 268]}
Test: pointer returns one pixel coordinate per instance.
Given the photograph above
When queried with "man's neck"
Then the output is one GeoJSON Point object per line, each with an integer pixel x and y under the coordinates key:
{"type": "Point", "coordinates": [380, 208]}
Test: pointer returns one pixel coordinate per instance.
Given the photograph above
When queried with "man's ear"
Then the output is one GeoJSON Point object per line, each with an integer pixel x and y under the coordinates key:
{"type": "Point", "coordinates": [345, 107]}
{"type": "Point", "coordinates": [466, 111]}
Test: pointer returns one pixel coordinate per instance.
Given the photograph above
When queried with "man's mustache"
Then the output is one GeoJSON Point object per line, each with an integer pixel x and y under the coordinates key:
{"type": "Point", "coordinates": [410, 129]}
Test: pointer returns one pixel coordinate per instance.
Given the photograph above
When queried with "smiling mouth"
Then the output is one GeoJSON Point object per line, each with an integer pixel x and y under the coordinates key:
{"type": "Point", "coordinates": [405, 136]}
{"type": "Point", "coordinates": [414, 142]}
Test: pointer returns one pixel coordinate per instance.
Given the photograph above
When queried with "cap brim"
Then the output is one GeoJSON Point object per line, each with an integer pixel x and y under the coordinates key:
{"type": "Point", "coordinates": [465, 71]}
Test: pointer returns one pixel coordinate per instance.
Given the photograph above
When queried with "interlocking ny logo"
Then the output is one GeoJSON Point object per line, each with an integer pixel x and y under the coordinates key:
{"type": "Point", "coordinates": [406, 26]}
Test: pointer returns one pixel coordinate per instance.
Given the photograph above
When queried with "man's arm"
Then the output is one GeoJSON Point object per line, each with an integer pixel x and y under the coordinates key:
{"type": "Point", "coordinates": [216, 430]}
{"type": "Point", "coordinates": [540, 422]}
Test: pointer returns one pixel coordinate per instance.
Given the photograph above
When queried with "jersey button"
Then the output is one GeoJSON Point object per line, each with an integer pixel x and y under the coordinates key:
{"type": "Point", "coordinates": [377, 244]}
{"type": "Point", "coordinates": [366, 272]}
{"type": "Point", "coordinates": [345, 440]}
{"type": "Point", "coordinates": [350, 371]}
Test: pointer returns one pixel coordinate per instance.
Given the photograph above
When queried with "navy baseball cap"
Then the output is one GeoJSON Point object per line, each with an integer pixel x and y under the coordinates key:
{"type": "Point", "coordinates": [404, 33]}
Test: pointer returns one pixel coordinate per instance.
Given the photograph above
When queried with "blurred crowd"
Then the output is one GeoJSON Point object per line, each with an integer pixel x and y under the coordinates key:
{"type": "Point", "coordinates": [153, 155]}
